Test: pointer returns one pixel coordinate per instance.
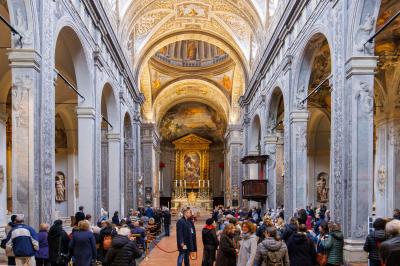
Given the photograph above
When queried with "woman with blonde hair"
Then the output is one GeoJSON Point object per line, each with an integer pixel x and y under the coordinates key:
{"type": "Point", "coordinates": [248, 245]}
{"type": "Point", "coordinates": [83, 245]}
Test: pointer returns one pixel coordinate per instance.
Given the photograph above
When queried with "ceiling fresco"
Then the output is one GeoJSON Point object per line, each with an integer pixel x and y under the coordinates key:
{"type": "Point", "coordinates": [192, 117]}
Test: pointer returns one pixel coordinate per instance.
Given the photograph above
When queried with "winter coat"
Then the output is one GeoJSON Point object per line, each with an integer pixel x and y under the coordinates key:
{"type": "Point", "coordinates": [139, 231]}
{"type": "Point", "coordinates": [289, 230]}
{"type": "Point", "coordinates": [248, 248]}
{"type": "Point", "coordinates": [55, 235]}
{"type": "Point", "coordinates": [260, 232]}
{"type": "Point", "coordinates": [184, 234]}
{"type": "Point", "coordinates": [226, 253]}
{"type": "Point", "coordinates": [193, 231]}
{"type": "Point", "coordinates": [23, 241]}
{"type": "Point", "coordinates": [334, 247]}
{"type": "Point", "coordinates": [167, 217]}
{"type": "Point", "coordinates": [301, 250]}
{"type": "Point", "coordinates": [389, 251]}
{"type": "Point", "coordinates": [210, 242]}
{"type": "Point", "coordinates": [83, 247]}
{"type": "Point", "coordinates": [374, 239]}
{"type": "Point", "coordinates": [271, 249]}
{"type": "Point", "coordinates": [123, 252]}
{"type": "Point", "coordinates": [106, 231]}
{"type": "Point", "coordinates": [43, 252]}
{"type": "Point", "coordinates": [115, 220]}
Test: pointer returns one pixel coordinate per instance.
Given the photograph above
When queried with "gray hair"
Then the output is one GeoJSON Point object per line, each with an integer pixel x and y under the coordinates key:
{"type": "Point", "coordinates": [393, 228]}
{"type": "Point", "coordinates": [19, 218]}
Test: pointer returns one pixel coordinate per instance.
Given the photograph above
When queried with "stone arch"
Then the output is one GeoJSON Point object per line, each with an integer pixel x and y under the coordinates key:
{"type": "Point", "coordinates": [72, 40]}
{"type": "Point", "coordinates": [255, 135]}
{"type": "Point", "coordinates": [109, 106]}
{"type": "Point", "coordinates": [23, 17]}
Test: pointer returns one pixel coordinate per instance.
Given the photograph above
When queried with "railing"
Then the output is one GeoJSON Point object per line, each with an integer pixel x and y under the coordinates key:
{"type": "Point", "coordinates": [254, 189]}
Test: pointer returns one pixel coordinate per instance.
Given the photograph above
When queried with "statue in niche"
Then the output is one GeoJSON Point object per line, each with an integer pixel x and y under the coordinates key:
{"type": "Point", "coordinates": [365, 96]}
{"type": "Point", "coordinates": [60, 187]}
{"type": "Point", "coordinates": [322, 188]}
{"type": "Point", "coordinates": [191, 50]}
{"type": "Point", "coordinates": [381, 179]}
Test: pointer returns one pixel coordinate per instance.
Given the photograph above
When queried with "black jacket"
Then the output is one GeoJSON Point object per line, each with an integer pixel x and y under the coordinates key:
{"type": "Point", "coordinates": [260, 232]}
{"type": "Point", "coordinates": [289, 230]}
{"type": "Point", "coordinates": [209, 237]}
{"type": "Point", "coordinates": [226, 255]}
{"type": "Point", "coordinates": [123, 252]}
{"type": "Point", "coordinates": [167, 217]}
{"type": "Point", "coordinates": [184, 234]}
{"type": "Point", "coordinates": [55, 247]}
{"type": "Point", "coordinates": [374, 239]}
{"type": "Point", "coordinates": [390, 251]}
{"type": "Point", "coordinates": [301, 250]}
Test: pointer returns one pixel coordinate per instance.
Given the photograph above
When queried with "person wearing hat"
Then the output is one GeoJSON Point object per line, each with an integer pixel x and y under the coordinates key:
{"type": "Point", "coordinates": [210, 242]}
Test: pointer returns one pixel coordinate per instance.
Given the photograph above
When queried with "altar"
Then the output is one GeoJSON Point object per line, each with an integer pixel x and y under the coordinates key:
{"type": "Point", "coordinates": [191, 187]}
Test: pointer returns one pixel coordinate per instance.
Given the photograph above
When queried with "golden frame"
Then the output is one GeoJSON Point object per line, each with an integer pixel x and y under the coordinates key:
{"type": "Point", "coordinates": [196, 144]}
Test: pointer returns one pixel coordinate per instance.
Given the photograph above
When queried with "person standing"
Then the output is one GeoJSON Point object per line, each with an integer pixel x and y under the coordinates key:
{"type": "Point", "coordinates": [105, 240]}
{"type": "Point", "coordinates": [334, 245]}
{"type": "Point", "coordinates": [115, 218]}
{"type": "Point", "coordinates": [42, 255]}
{"type": "Point", "coordinates": [167, 221]}
{"type": "Point", "coordinates": [9, 227]}
{"type": "Point", "coordinates": [210, 242]}
{"type": "Point", "coordinates": [58, 245]}
{"type": "Point", "coordinates": [124, 250]}
{"type": "Point", "coordinates": [23, 242]}
{"type": "Point", "coordinates": [374, 240]}
{"type": "Point", "coordinates": [248, 245]}
{"type": "Point", "coordinates": [301, 248]}
{"type": "Point", "coordinates": [227, 251]}
{"type": "Point", "coordinates": [390, 249]}
{"type": "Point", "coordinates": [79, 215]}
{"type": "Point", "coordinates": [83, 245]}
{"type": "Point", "coordinates": [272, 250]}
{"type": "Point", "coordinates": [184, 238]}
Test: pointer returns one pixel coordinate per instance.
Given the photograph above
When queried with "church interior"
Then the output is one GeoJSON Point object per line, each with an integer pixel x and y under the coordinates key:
{"type": "Point", "coordinates": [123, 104]}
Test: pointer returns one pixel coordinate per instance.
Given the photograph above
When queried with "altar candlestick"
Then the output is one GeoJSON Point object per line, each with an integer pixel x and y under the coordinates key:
{"type": "Point", "coordinates": [185, 183]}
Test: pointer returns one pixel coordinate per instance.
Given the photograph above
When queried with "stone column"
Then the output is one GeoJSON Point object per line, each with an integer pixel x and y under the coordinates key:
{"type": "Point", "coordinates": [115, 195]}
{"type": "Point", "coordinates": [32, 183]}
{"type": "Point", "coordinates": [3, 168]}
{"type": "Point", "coordinates": [86, 165]}
{"type": "Point", "coordinates": [270, 142]}
{"type": "Point", "coordinates": [298, 123]}
{"type": "Point", "coordinates": [150, 145]}
{"type": "Point", "coordinates": [359, 187]}
{"type": "Point", "coordinates": [137, 154]}
{"type": "Point", "coordinates": [233, 140]}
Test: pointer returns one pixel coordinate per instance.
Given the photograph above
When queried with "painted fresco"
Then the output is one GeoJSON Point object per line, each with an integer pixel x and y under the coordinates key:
{"type": "Point", "coordinates": [192, 117]}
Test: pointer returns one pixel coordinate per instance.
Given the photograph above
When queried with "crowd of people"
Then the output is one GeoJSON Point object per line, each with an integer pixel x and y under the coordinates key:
{"type": "Point", "coordinates": [112, 241]}
{"type": "Point", "coordinates": [309, 238]}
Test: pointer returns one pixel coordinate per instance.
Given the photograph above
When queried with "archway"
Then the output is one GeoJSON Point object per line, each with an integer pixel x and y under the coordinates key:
{"type": "Point", "coordinates": [110, 152]}
{"type": "Point", "coordinates": [387, 112]}
{"type": "Point", "coordinates": [275, 149]}
{"type": "Point", "coordinates": [130, 188]}
{"type": "Point", "coordinates": [313, 98]}
{"type": "Point", "coordinates": [5, 119]}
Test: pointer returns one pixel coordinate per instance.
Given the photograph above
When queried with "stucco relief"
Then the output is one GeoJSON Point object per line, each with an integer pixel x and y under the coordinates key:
{"type": "Point", "coordinates": [363, 34]}
{"type": "Point", "coordinates": [365, 97]}
{"type": "Point", "coordinates": [301, 135]}
{"type": "Point", "coordinates": [20, 93]}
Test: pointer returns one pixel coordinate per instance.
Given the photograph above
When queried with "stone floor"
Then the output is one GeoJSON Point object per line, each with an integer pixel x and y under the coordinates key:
{"type": "Point", "coordinates": [159, 257]}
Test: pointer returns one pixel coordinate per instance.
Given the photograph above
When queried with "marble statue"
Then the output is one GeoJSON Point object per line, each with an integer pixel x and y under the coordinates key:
{"type": "Point", "coordinates": [60, 187]}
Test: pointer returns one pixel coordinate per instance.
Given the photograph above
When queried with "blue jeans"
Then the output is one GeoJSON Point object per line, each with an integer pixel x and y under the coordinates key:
{"type": "Point", "coordinates": [183, 257]}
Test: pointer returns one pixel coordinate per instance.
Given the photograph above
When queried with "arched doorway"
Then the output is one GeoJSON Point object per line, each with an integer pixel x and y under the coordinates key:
{"type": "Point", "coordinates": [312, 134]}
{"type": "Point", "coordinates": [275, 149]}
{"type": "Point", "coordinates": [5, 119]}
{"type": "Point", "coordinates": [387, 112]}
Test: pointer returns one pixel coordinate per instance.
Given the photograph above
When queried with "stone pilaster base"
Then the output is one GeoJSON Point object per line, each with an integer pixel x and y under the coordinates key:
{"type": "Point", "coordinates": [353, 252]}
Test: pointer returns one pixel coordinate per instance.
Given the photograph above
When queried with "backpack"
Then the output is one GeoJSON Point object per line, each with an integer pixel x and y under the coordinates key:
{"type": "Point", "coordinates": [107, 242]}
{"type": "Point", "coordinates": [273, 258]}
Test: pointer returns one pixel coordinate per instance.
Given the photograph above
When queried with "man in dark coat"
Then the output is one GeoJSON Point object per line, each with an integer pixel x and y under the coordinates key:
{"type": "Point", "coordinates": [227, 251]}
{"type": "Point", "coordinates": [210, 242]}
{"type": "Point", "coordinates": [167, 221]}
{"type": "Point", "coordinates": [79, 215]}
{"type": "Point", "coordinates": [107, 230]}
{"type": "Point", "coordinates": [290, 229]}
{"type": "Point", "coordinates": [123, 251]}
{"type": "Point", "coordinates": [184, 238]}
{"type": "Point", "coordinates": [301, 248]}
{"type": "Point", "coordinates": [390, 249]}
{"type": "Point", "coordinates": [374, 240]}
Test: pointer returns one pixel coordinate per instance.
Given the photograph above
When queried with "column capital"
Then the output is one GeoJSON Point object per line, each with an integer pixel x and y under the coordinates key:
{"type": "Point", "coordinates": [299, 116]}
{"type": "Point", "coordinates": [24, 58]}
{"type": "Point", "coordinates": [85, 112]}
{"type": "Point", "coordinates": [361, 65]}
